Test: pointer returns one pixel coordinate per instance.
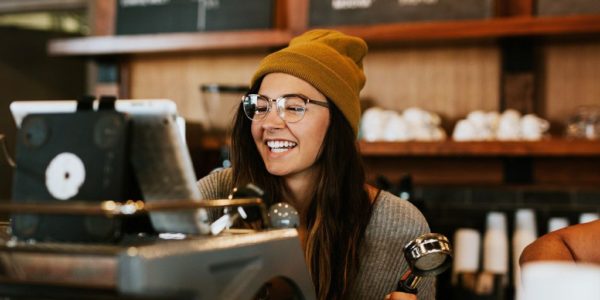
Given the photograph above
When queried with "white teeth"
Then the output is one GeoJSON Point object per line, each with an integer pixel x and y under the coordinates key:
{"type": "Point", "coordinates": [280, 146]}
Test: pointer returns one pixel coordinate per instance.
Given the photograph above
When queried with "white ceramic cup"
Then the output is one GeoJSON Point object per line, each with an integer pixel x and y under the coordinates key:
{"type": "Point", "coordinates": [509, 126]}
{"type": "Point", "coordinates": [467, 243]}
{"type": "Point", "coordinates": [533, 127]}
{"type": "Point", "coordinates": [397, 130]}
{"type": "Point", "coordinates": [373, 123]}
{"type": "Point", "coordinates": [495, 244]}
{"type": "Point", "coordinates": [557, 223]}
{"type": "Point", "coordinates": [560, 281]}
{"type": "Point", "coordinates": [464, 131]}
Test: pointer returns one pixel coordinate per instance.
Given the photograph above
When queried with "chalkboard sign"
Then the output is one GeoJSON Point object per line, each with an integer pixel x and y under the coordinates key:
{"type": "Point", "coordinates": [352, 12]}
{"type": "Point", "coordinates": [567, 7]}
{"type": "Point", "coordinates": [160, 16]}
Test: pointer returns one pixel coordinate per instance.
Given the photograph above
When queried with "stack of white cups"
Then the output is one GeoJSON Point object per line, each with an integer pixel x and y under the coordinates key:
{"type": "Point", "coordinates": [588, 217]}
{"type": "Point", "coordinates": [495, 256]}
{"type": "Point", "coordinates": [557, 223]}
{"type": "Point", "coordinates": [495, 244]}
{"type": "Point", "coordinates": [467, 243]}
{"type": "Point", "coordinates": [525, 233]}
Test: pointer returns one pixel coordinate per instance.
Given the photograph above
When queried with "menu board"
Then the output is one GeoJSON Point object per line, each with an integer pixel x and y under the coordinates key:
{"type": "Point", "coordinates": [352, 12]}
{"type": "Point", "coordinates": [161, 16]}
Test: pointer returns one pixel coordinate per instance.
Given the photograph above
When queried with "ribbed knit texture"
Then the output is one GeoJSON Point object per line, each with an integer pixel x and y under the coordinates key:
{"type": "Point", "coordinates": [393, 224]}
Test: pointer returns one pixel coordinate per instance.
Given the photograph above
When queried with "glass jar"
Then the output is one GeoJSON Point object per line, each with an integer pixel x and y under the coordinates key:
{"type": "Point", "coordinates": [585, 124]}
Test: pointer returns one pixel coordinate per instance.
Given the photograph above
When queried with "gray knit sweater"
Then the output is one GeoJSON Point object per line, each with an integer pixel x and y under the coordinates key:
{"type": "Point", "coordinates": [394, 223]}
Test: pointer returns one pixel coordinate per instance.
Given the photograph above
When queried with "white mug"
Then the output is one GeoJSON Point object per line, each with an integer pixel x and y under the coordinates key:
{"type": "Point", "coordinates": [464, 131]}
{"type": "Point", "coordinates": [396, 130]}
{"type": "Point", "coordinates": [373, 123]}
{"type": "Point", "coordinates": [509, 126]}
{"type": "Point", "coordinates": [554, 280]}
{"type": "Point", "coordinates": [533, 127]}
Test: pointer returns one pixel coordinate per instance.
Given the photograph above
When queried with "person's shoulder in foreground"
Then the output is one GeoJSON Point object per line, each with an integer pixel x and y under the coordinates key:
{"type": "Point", "coordinates": [394, 222]}
{"type": "Point", "coordinates": [578, 243]}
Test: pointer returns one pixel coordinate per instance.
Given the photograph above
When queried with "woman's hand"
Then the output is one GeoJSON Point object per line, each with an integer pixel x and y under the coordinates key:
{"type": "Point", "coordinates": [400, 296]}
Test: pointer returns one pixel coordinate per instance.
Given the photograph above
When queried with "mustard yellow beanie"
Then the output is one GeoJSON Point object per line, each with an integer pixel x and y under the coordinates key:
{"type": "Point", "coordinates": [329, 60]}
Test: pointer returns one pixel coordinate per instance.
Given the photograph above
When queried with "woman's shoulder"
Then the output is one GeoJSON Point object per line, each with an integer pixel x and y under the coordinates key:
{"type": "Point", "coordinates": [394, 222]}
{"type": "Point", "coordinates": [217, 184]}
{"type": "Point", "coordinates": [397, 216]}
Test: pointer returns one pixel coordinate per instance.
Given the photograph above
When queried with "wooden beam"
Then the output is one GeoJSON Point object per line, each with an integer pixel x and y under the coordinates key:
{"type": "Point", "coordinates": [103, 14]}
{"type": "Point", "coordinates": [19, 6]}
{"type": "Point", "coordinates": [492, 28]}
{"type": "Point", "coordinates": [545, 148]}
{"type": "Point", "coordinates": [171, 42]}
{"type": "Point", "coordinates": [514, 8]}
{"type": "Point", "coordinates": [297, 14]}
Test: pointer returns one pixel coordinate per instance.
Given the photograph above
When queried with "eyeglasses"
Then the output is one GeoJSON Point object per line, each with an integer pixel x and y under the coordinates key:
{"type": "Point", "coordinates": [290, 107]}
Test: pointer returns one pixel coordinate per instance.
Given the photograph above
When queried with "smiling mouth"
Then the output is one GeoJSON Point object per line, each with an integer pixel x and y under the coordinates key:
{"type": "Point", "coordinates": [280, 146]}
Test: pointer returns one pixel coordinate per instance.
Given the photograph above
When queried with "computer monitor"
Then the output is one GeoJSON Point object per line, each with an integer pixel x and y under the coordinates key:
{"type": "Point", "coordinates": [157, 153]}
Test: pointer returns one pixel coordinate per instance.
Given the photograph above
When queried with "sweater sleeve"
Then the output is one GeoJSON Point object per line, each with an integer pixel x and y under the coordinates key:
{"type": "Point", "coordinates": [216, 185]}
{"type": "Point", "coordinates": [394, 222]}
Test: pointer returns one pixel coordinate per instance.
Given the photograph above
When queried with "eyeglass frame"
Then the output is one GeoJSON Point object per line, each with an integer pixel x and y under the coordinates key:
{"type": "Point", "coordinates": [306, 99]}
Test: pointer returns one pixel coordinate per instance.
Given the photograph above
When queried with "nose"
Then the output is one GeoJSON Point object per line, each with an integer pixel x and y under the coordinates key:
{"type": "Point", "coordinates": [272, 119]}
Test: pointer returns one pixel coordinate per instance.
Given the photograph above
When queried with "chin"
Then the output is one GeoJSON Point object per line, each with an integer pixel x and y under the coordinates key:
{"type": "Point", "coordinates": [277, 171]}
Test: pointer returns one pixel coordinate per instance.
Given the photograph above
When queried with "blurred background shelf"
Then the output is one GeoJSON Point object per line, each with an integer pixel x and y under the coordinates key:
{"type": "Point", "coordinates": [169, 42]}
{"type": "Point", "coordinates": [397, 32]}
{"type": "Point", "coordinates": [512, 59]}
{"type": "Point", "coordinates": [492, 28]}
{"type": "Point", "coordinates": [546, 148]}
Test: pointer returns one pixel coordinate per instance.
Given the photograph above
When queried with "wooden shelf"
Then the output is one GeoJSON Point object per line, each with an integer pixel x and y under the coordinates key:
{"type": "Point", "coordinates": [471, 29]}
{"type": "Point", "coordinates": [169, 42]}
{"type": "Point", "coordinates": [553, 147]}
{"type": "Point", "coordinates": [401, 32]}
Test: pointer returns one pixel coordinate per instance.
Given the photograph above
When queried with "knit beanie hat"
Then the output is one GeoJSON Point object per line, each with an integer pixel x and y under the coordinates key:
{"type": "Point", "coordinates": [330, 61]}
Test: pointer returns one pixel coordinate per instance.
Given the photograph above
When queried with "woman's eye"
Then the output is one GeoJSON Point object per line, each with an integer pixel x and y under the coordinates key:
{"type": "Point", "coordinates": [295, 108]}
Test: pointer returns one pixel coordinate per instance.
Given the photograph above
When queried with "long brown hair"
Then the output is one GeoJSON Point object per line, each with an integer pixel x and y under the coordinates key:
{"type": "Point", "coordinates": [339, 210]}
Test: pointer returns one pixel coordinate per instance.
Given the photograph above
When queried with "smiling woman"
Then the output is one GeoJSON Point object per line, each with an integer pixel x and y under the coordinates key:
{"type": "Point", "coordinates": [303, 151]}
{"type": "Point", "coordinates": [291, 152]}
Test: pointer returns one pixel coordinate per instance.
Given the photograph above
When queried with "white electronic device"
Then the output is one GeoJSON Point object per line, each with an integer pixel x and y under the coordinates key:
{"type": "Point", "coordinates": [20, 109]}
{"type": "Point", "coordinates": [159, 155]}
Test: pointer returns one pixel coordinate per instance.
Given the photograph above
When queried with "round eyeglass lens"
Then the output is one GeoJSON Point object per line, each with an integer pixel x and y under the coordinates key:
{"type": "Point", "coordinates": [293, 108]}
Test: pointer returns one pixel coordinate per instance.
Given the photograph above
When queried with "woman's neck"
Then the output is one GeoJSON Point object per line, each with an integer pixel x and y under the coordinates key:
{"type": "Point", "coordinates": [299, 190]}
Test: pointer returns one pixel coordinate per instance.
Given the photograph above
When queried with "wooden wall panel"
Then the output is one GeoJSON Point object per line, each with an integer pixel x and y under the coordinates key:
{"type": "Point", "coordinates": [570, 78]}
{"type": "Point", "coordinates": [451, 81]}
{"type": "Point", "coordinates": [569, 171]}
{"type": "Point", "coordinates": [179, 77]}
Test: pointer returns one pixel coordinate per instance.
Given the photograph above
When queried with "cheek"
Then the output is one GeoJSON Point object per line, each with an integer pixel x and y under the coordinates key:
{"type": "Point", "coordinates": [256, 131]}
{"type": "Point", "coordinates": [320, 127]}
{"type": "Point", "coordinates": [314, 135]}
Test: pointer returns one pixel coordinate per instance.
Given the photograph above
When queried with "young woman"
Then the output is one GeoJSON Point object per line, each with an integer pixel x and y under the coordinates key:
{"type": "Point", "coordinates": [295, 137]}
